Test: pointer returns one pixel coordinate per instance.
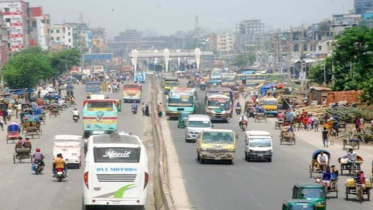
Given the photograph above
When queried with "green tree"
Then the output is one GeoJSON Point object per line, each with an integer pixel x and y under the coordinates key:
{"type": "Point", "coordinates": [316, 73]}
{"type": "Point", "coordinates": [27, 69]}
{"type": "Point", "coordinates": [241, 59]}
{"type": "Point", "coordinates": [64, 60]}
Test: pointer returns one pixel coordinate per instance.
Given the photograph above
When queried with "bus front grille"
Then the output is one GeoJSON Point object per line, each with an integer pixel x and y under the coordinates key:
{"type": "Point", "coordinates": [116, 177]}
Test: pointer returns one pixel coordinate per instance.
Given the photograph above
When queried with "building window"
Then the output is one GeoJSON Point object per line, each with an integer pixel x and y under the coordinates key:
{"type": "Point", "coordinates": [296, 48]}
{"type": "Point", "coordinates": [69, 40]}
{"type": "Point", "coordinates": [57, 31]}
{"type": "Point", "coordinates": [58, 38]}
{"type": "Point", "coordinates": [34, 24]}
{"type": "Point", "coordinates": [7, 20]}
{"type": "Point", "coordinates": [52, 38]}
{"type": "Point", "coordinates": [6, 10]}
{"type": "Point", "coordinates": [305, 47]}
{"type": "Point", "coordinates": [320, 47]}
{"type": "Point", "coordinates": [52, 31]}
{"type": "Point", "coordinates": [69, 34]}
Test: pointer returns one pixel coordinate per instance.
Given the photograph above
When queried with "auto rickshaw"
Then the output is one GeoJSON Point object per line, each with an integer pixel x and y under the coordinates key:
{"type": "Point", "coordinates": [298, 204]}
{"type": "Point", "coordinates": [183, 116]}
{"type": "Point", "coordinates": [313, 192]}
{"type": "Point", "coordinates": [119, 105]}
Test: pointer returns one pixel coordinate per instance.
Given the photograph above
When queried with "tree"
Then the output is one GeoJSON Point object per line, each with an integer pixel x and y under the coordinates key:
{"type": "Point", "coordinates": [63, 61]}
{"type": "Point", "coordinates": [242, 59]}
{"type": "Point", "coordinates": [316, 73]}
{"type": "Point", "coordinates": [26, 69]}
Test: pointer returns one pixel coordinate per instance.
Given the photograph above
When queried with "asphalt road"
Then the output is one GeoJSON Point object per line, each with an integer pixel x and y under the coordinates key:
{"type": "Point", "coordinates": [256, 185]}
{"type": "Point", "coordinates": [20, 189]}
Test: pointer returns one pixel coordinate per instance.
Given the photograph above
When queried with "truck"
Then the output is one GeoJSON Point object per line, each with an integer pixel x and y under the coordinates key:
{"type": "Point", "coordinates": [70, 146]}
{"type": "Point", "coordinates": [169, 83]}
{"type": "Point", "coordinates": [270, 104]}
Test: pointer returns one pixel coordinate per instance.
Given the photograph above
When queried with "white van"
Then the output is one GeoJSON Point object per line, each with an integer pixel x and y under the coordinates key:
{"type": "Point", "coordinates": [70, 146]}
{"type": "Point", "coordinates": [116, 171]}
{"type": "Point", "coordinates": [258, 145]}
{"type": "Point", "coordinates": [195, 124]}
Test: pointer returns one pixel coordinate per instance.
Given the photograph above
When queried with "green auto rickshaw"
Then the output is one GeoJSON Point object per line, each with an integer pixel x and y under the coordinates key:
{"type": "Point", "coordinates": [312, 192]}
{"type": "Point", "coordinates": [183, 116]}
{"type": "Point", "coordinates": [119, 105]}
{"type": "Point", "coordinates": [297, 204]}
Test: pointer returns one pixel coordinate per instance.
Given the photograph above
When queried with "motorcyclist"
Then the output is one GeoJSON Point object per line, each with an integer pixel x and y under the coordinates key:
{"type": "Point", "coordinates": [134, 105]}
{"type": "Point", "coordinates": [238, 105]}
{"type": "Point", "coordinates": [59, 162]}
{"type": "Point", "coordinates": [243, 118]}
{"type": "Point", "coordinates": [76, 113]}
{"type": "Point", "coordinates": [38, 156]}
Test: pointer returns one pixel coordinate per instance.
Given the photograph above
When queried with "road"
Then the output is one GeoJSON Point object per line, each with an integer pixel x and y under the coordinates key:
{"type": "Point", "coordinates": [20, 189]}
{"type": "Point", "coordinates": [256, 185]}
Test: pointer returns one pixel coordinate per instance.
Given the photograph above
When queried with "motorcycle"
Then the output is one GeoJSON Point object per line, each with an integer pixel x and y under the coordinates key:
{"type": "Point", "coordinates": [243, 125]}
{"type": "Point", "coordinates": [238, 110]}
{"type": "Point", "coordinates": [60, 175]}
{"type": "Point", "coordinates": [76, 118]}
{"type": "Point", "coordinates": [134, 110]}
{"type": "Point", "coordinates": [38, 167]}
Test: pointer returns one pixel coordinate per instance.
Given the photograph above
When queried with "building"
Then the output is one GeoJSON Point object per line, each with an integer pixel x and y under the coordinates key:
{"type": "Point", "coordinates": [82, 37]}
{"type": "Point", "coordinates": [16, 17]}
{"type": "Point", "coordinates": [248, 34]}
{"type": "Point", "coordinates": [98, 40]}
{"type": "Point", "coordinates": [129, 35]}
{"type": "Point", "coordinates": [4, 41]}
{"type": "Point", "coordinates": [225, 42]}
{"type": "Point", "coordinates": [40, 28]}
{"type": "Point", "coordinates": [342, 22]}
{"type": "Point", "coordinates": [213, 42]}
{"type": "Point", "coordinates": [363, 6]}
{"type": "Point", "coordinates": [61, 37]}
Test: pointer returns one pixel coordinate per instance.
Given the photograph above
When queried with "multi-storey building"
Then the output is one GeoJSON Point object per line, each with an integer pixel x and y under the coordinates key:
{"type": "Point", "coordinates": [61, 37]}
{"type": "Point", "coordinates": [248, 34]}
{"type": "Point", "coordinates": [16, 17]}
{"type": "Point", "coordinates": [82, 37]}
{"type": "Point", "coordinates": [225, 42]}
{"type": "Point", "coordinates": [40, 28]}
{"type": "Point", "coordinates": [98, 40]}
{"type": "Point", "coordinates": [363, 6]}
{"type": "Point", "coordinates": [4, 41]}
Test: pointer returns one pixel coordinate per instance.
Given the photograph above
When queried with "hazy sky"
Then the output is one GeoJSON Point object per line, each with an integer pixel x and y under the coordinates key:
{"type": "Point", "coordinates": [168, 16]}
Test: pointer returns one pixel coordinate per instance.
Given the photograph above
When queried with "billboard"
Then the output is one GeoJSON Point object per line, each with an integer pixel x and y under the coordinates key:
{"type": "Point", "coordinates": [97, 56]}
{"type": "Point", "coordinates": [93, 87]}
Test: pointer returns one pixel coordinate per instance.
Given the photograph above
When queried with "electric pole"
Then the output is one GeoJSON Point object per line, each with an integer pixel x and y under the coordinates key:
{"type": "Point", "coordinates": [301, 60]}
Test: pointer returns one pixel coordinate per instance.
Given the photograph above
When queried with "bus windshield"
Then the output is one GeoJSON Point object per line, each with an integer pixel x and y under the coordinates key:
{"type": "Point", "coordinates": [268, 102]}
{"type": "Point", "coordinates": [215, 137]}
{"type": "Point", "coordinates": [131, 87]}
{"type": "Point", "coordinates": [224, 104]}
{"type": "Point", "coordinates": [116, 155]}
{"type": "Point", "coordinates": [183, 100]}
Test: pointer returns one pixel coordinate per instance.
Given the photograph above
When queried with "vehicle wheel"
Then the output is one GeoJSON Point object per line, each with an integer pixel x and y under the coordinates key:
{"type": "Point", "coordinates": [14, 159]}
{"type": "Point", "coordinates": [60, 179]}
{"type": "Point", "coordinates": [310, 171]}
{"type": "Point", "coordinates": [281, 140]}
{"type": "Point", "coordinates": [336, 189]}
{"type": "Point", "coordinates": [201, 160]}
{"type": "Point", "coordinates": [248, 158]}
{"type": "Point", "coordinates": [36, 172]}
{"type": "Point", "coordinates": [270, 160]}
{"type": "Point", "coordinates": [198, 157]}
{"type": "Point", "coordinates": [230, 162]}
{"type": "Point", "coordinates": [31, 158]}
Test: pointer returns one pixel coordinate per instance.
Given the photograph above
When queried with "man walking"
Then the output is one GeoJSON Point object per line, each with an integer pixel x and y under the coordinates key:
{"type": "Point", "coordinates": [325, 134]}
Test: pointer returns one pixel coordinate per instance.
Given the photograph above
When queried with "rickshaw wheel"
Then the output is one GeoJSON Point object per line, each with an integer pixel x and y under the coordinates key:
{"type": "Point", "coordinates": [31, 159]}
{"type": "Point", "coordinates": [14, 158]}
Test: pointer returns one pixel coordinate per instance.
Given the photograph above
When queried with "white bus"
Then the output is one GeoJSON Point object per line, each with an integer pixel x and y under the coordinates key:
{"type": "Point", "coordinates": [116, 171]}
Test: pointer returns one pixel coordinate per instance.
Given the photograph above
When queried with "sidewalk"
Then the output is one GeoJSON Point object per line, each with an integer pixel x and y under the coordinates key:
{"type": "Point", "coordinates": [336, 150]}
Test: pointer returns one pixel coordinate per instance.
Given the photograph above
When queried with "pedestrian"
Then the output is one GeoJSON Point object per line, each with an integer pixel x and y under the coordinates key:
{"type": "Point", "coordinates": [316, 123]}
{"type": "Point", "coordinates": [143, 109]}
{"type": "Point", "coordinates": [361, 124]}
{"type": "Point", "coordinates": [160, 110]}
{"type": "Point", "coordinates": [5, 116]}
{"type": "Point", "coordinates": [2, 122]}
{"type": "Point", "coordinates": [325, 135]}
{"type": "Point", "coordinates": [147, 110]}
{"type": "Point", "coordinates": [357, 123]}
{"type": "Point", "coordinates": [10, 113]}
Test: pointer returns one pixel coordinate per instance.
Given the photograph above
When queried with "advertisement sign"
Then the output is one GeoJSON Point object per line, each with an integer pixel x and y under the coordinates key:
{"type": "Point", "coordinates": [97, 56]}
{"type": "Point", "coordinates": [93, 87]}
{"type": "Point", "coordinates": [16, 35]}
{"type": "Point", "coordinates": [89, 39]}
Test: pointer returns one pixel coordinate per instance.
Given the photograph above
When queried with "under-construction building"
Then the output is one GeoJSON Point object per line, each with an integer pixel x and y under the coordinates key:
{"type": "Point", "coordinates": [248, 34]}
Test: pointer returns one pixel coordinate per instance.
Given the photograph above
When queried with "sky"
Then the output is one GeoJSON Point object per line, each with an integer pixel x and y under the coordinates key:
{"type": "Point", "coordinates": [168, 16]}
